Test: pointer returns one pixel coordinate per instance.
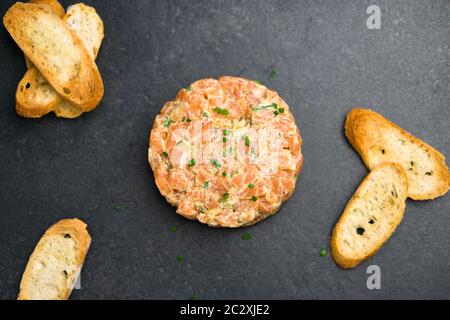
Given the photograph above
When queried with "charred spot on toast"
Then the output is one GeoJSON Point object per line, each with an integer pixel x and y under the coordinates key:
{"type": "Point", "coordinates": [371, 221]}
{"type": "Point", "coordinates": [360, 230]}
{"type": "Point", "coordinates": [67, 236]}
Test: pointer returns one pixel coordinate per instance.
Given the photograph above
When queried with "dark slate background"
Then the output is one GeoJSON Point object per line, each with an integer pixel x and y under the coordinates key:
{"type": "Point", "coordinates": [327, 62]}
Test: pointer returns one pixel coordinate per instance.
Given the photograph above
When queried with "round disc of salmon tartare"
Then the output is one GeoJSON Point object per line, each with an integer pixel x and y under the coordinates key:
{"type": "Point", "coordinates": [226, 152]}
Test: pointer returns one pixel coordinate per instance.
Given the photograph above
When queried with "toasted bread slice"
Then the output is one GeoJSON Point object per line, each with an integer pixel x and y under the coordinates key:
{"type": "Point", "coordinates": [88, 26]}
{"type": "Point", "coordinates": [57, 52]}
{"type": "Point", "coordinates": [378, 140]}
{"type": "Point", "coordinates": [56, 262]}
{"type": "Point", "coordinates": [59, 11]}
{"type": "Point", "coordinates": [35, 96]}
{"type": "Point", "coordinates": [371, 216]}
{"type": "Point", "coordinates": [82, 20]}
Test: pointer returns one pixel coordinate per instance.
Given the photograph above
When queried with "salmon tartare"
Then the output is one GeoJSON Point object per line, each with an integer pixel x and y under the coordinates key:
{"type": "Point", "coordinates": [226, 152]}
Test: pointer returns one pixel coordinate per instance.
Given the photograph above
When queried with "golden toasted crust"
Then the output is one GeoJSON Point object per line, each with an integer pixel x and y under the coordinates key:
{"type": "Point", "coordinates": [384, 227]}
{"type": "Point", "coordinates": [378, 140]}
{"type": "Point", "coordinates": [28, 63]}
{"type": "Point", "coordinates": [54, 4]}
{"type": "Point", "coordinates": [67, 66]}
{"type": "Point", "coordinates": [77, 230]}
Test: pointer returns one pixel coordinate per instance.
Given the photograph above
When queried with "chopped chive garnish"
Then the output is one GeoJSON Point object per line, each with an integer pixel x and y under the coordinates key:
{"type": "Point", "coordinates": [273, 74]}
{"type": "Point", "coordinates": [205, 114]}
{"type": "Point", "coordinates": [172, 229]}
{"type": "Point", "coordinates": [189, 87]}
{"type": "Point", "coordinates": [180, 258]}
{"type": "Point", "coordinates": [224, 139]}
{"type": "Point", "coordinates": [225, 196]}
{"type": "Point", "coordinates": [191, 163]}
{"type": "Point", "coordinates": [215, 163]}
{"type": "Point", "coordinates": [265, 106]}
{"type": "Point", "coordinates": [247, 141]}
{"type": "Point", "coordinates": [251, 185]}
{"type": "Point", "coordinates": [221, 111]}
{"type": "Point", "coordinates": [188, 120]}
{"type": "Point", "coordinates": [224, 174]}
{"type": "Point", "coordinates": [272, 105]}
{"type": "Point", "coordinates": [206, 185]}
{"type": "Point", "coordinates": [167, 122]}
{"type": "Point", "coordinates": [279, 111]}
{"type": "Point", "coordinates": [246, 236]}
{"type": "Point", "coordinates": [165, 154]}
{"type": "Point", "coordinates": [258, 82]}
{"type": "Point", "coordinates": [254, 198]}
{"type": "Point", "coordinates": [323, 252]}
{"type": "Point", "coordinates": [226, 132]}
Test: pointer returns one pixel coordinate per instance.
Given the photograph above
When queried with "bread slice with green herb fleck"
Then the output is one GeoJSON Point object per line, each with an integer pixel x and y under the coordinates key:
{"type": "Point", "coordinates": [56, 262]}
{"type": "Point", "coordinates": [378, 140]}
{"type": "Point", "coordinates": [371, 216]}
{"type": "Point", "coordinates": [56, 52]}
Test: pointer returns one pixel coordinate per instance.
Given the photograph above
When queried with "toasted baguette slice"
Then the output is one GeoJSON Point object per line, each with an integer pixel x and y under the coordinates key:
{"type": "Point", "coordinates": [56, 262]}
{"type": "Point", "coordinates": [371, 216]}
{"type": "Point", "coordinates": [59, 11]}
{"type": "Point", "coordinates": [88, 26]}
{"type": "Point", "coordinates": [57, 52]}
{"type": "Point", "coordinates": [80, 18]}
{"type": "Point", "coordinates": [378, 140]}
{"type": "Point", "coordinates": [35, 96]}
{"type": "Point", "coordinates": [84, 21]}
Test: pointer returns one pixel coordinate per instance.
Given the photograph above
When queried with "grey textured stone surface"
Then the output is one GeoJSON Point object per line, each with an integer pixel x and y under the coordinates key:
{"type": "Point", "coordinates": [327, 63]}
